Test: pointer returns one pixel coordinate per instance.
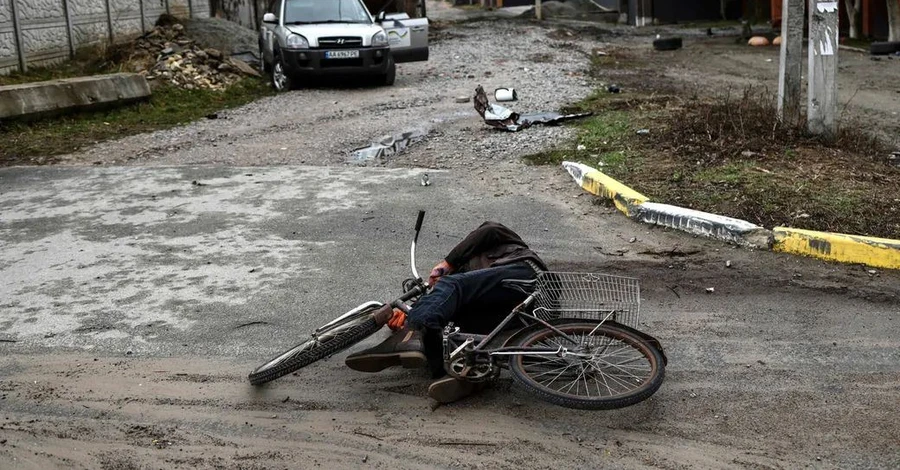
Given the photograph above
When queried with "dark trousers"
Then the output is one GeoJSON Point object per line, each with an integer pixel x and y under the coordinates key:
{"type": "Point", "coordinates": [475, 301]}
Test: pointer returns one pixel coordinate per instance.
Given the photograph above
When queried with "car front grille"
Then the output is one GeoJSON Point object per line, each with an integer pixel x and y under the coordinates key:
{"type": "Point", "coordinates": [339, 42]}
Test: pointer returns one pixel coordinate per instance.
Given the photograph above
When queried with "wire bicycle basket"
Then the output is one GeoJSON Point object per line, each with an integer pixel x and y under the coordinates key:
{"type": "Point", "coordinates": [590, 296]}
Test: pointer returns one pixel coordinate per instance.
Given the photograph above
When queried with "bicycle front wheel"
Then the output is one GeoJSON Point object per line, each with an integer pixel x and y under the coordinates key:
{"type": "Point", "coordinates": [327, 344]}
{"type": "Point", "coordinates": [604, 368]}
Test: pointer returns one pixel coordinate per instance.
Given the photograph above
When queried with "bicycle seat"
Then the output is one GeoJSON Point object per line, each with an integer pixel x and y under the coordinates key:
{"type": "Point", "coordinates": [524, 285]}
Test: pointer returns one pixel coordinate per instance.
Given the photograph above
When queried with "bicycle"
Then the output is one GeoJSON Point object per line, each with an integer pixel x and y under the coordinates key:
{"type": "Point", "coordinates": [577, 347]}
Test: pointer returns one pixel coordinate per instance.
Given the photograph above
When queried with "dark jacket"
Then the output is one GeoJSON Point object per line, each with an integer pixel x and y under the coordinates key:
{"type": "Point", "coordinates": [491, 244]}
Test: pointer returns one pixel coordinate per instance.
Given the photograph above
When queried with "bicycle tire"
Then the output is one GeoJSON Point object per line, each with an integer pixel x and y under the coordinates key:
{"type": "Point", "coordinates": [312, 350]}
{"type": "Point", "coordinates": [647, 387]}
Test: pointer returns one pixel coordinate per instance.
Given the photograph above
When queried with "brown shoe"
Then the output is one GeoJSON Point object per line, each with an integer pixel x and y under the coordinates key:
{"type": "Point", "coordinates": [449, 389]}
{"type": "Point", "coordinates": [403, 348]}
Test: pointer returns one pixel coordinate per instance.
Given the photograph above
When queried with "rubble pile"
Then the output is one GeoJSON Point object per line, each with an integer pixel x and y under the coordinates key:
{"type": "Point", "coordinates": [167, 54]}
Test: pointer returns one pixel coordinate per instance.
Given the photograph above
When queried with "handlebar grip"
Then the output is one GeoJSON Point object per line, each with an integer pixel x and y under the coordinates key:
{"type": "Point", "coordinates": [419, 220]}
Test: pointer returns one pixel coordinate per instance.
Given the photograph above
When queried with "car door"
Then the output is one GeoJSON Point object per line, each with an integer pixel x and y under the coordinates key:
{"type": "Point", "coordinates": [408, 37]}
{"type": "Point", "coordinates": [267, 31]}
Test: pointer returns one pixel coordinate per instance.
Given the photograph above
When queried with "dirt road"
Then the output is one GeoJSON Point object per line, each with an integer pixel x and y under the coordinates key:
{"type": "Point", "coordinates": [136, 299]}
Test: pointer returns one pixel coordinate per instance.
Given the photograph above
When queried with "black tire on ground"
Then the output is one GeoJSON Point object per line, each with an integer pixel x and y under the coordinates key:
{"type": "Point", "coordinates": [309, 351]}
{"type": "Point", "coordinates": [647, 385]}
{"type": "Point", "coordinates": [387, 79]}
{"type": "Point", "coordinates": [667, 44]}
{"type": "Point", "coordinates": [884, 48]}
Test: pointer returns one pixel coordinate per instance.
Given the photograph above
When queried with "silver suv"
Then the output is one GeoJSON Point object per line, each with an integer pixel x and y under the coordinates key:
{"type": "Point", "coordinates": [337, 37]}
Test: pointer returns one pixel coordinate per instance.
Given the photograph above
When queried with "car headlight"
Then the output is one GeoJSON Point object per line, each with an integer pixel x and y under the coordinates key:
{"type": "Point", "coordinates": [379, 39]}
{"type": "Point", "coordinates": [296, 41]}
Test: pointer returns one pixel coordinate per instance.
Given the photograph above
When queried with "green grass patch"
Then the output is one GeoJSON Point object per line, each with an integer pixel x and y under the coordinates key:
{"type": "Point", "coordinates": [39, 141]}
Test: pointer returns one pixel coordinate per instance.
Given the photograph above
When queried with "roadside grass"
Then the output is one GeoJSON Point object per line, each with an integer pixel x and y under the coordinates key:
{"type": "Point", "coordinates": [726, 153]}
{"type": "Point", "coordinates": [41, 142]}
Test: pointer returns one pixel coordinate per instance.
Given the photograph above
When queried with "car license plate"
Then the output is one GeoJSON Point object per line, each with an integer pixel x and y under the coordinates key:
{"type": "Point", "coordinates": [342, 54]}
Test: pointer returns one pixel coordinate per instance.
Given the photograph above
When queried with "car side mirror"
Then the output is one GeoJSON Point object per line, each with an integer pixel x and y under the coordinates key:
{"type": "Point", "coordinates": [380, 17]}
{"type": "Point", "coordinates": [270, 18]}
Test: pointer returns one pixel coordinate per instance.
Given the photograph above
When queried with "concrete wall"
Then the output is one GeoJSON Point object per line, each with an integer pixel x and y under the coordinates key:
{"type": "Point", "coordinates": [41, 32]}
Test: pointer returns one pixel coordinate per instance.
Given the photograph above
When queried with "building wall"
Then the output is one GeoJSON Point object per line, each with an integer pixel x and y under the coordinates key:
{"type": "Point", "coordinates": [46, 34]}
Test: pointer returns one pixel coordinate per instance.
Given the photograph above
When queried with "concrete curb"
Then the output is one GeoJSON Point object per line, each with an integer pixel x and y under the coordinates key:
{"type": "Point", "coordinates": [871, 251]}
{"type": "Point", "coordinates": [723, 228]}
{"type": "Point", "coordinates": [598, 184]}
{"type": "Point", "coordinates": [638, 207]}
{"type": "Point", "coordinates": [42, 98]}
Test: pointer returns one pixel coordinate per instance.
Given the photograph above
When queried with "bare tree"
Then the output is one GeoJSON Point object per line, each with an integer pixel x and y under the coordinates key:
{"type": "Point", "coordinates": [894, 19]}
{"type": "Point", "coordinates": [854, 12]}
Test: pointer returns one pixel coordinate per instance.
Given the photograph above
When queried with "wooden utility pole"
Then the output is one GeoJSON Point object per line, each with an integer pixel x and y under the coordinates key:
{"type": "Point", "coordinates": [790, 71]}
{"type": "Point", "coordinates": [823, 67]}
{"type": "Point", "coordinates": [537, 10]}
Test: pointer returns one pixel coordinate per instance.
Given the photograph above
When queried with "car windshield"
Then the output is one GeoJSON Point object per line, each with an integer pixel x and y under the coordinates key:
{"type": "Point", "coordinates": [325, 11]}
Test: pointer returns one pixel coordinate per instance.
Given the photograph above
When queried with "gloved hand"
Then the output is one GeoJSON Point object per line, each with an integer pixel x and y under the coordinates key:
{"type": "Point", "coordinates": [398, 319]}
{"type": "Point", "coordinates": [439, 271]}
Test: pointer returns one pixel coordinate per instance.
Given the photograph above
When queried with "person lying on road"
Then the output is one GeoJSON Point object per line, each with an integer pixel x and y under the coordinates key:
{"type": "Point", "coordinates": [467, 291]}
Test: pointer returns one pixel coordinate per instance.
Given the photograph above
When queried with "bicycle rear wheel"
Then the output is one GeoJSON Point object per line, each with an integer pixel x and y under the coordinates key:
{"type": "Point", "coordinates": [331, 342]}
{"type": "Point", "coordinates": [605, 368]}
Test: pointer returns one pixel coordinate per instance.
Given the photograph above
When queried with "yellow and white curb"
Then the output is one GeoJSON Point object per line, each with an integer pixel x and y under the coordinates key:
{"type": "Point", "coordinates": [595, 182]}
{"type": "Point", "coordinates": [638, 207]}
{"type": "Point", "coordinates": [871, 251]}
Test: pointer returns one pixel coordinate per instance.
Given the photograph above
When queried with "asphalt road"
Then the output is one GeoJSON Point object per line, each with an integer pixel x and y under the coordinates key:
{"type": "Point", "coordinates": [135, 299]}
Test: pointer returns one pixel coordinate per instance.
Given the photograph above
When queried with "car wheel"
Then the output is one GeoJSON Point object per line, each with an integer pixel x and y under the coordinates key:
{"type": "Point", "coordinates": [387, 78]}
{"type": "Point", "coordinates": [281, 80]}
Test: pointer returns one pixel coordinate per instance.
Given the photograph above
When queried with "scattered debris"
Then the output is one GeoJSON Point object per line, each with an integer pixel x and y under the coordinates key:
{"type": "Point", "coordinates": [425, 181]}
{"type": "Point", "coordinates": [506, 94]}
{"type": "Point", "coordinates": [49, 335]}
{"type": "Point", "coordinates": [728, 264]}
{"type": "Point", "coordinates": [251, 324]}
{"type": "Point", "coordinates": [710, 290]}
{"type": "Point", "coordinates": [643, 132]}
{"type": "Point", "coordinates": [286, 399]}
{"type": "Point", "coordinates": [503, 118]}
{"type": "Point", "coordinates": [212, 116]}
{"type": "Point", "coordinates": [613, 89]}
{"type": "Point", "coordinates": [872, 272]}
{"type": "Point", "coordinates": [360, 433]}
{"type": "Point", "coordinates": [466, 443]}
{"type": "Point", "coordinates": [672, 288]}
{"type": "Point", "coordinates": [386, 147]}
{"type": "Point", "coordinates": [166, 53]}
{"type": "Point", "coordinates": [462, 99]}
{"type": "Point", "coordinates": [758, 41]}
{"type": "Point", "coordinates": [8, 340]}
{"type": "Point", "coordinates": [776, 41]}
{"type": "Point", "coordinates": [197, 183]}
{"type": "Point", "coordinates": [632, 239]}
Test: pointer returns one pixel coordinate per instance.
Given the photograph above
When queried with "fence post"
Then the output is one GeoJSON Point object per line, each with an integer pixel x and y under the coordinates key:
{"type": "Point", "coordinates": [68, 14]}
{"type": "Point", "coordinates": [143, 20]}
{"type": "Point", "coordinates": [823, 67]}
{"type": "Point", "coordinates": [190, 9]}
{"type": "Point", "coordinates": [168, 11]}
{"type": "Point", "coordinates": [538, 10]}
{"type": "Point", "coordinates": [109, 23]}
{"type": "Point", "coordinates": [17, 30]}
{"type": "Point", "coordinates": [790, 70]}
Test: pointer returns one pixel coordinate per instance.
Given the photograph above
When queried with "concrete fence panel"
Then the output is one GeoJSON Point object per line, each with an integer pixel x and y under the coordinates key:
{"type": "Point", "coordinates": [43, 32]}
